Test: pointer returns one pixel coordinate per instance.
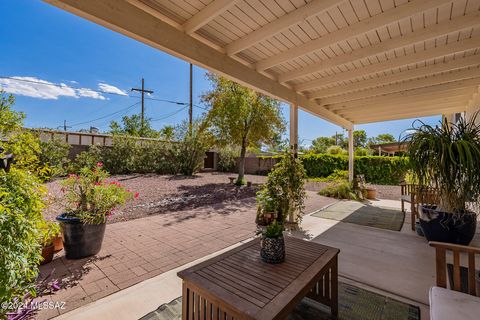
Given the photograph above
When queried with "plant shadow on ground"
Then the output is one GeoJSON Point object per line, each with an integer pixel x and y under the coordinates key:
{"type": "Point", "coordinates": [219, 197]}
{"type": "Point", "coordinates": [67, 273]}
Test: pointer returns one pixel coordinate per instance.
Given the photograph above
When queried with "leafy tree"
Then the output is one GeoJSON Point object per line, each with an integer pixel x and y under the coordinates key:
{"type": "Point", "coordinates": [193, 142]}
{"type": "Point", "coordinates": [321, 144]}
{"type": "Point", "coordinates": [242, 117]}
{"type": "Point", "coordinates": [132, 126]}
{"type": "Point", "coordinates": [385, 138]}
{"type": "Point", "coordinates": [359, 138]}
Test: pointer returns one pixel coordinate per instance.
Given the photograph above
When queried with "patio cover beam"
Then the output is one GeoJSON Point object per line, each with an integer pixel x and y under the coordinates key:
{"type": "Point", "coordinates": [398, 13]}
{"type": "Point", "coordinates": [351, 156]}
{"type": "Point", "coordinates": [125, 18]}
{"type": "Point", "coordinates": [457, 24]}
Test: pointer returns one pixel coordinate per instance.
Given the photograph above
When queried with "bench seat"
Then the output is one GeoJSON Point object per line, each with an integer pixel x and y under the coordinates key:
{"type": "Point", "coordinates": [448, 305]}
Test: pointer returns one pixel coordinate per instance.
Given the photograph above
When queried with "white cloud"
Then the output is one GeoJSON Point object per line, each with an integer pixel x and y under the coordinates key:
{"type": "Point", "coordinates": [108, 88]}
{"type": "Point", "coordinates": [89, 93]}
{"type": "Point", "coordinates": [42, 89]}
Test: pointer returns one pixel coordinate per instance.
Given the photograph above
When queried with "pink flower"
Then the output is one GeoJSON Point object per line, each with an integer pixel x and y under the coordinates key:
{"type": "Point", "coordinates": [98, 183]}
{"type": "Point", "coordinates": [99, 164]}
{"type": "Point", "coordinates": [136, 195]}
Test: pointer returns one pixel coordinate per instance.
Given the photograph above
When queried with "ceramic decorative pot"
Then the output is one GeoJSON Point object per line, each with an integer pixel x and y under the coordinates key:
{"type": "Point", "coordinates": [272, 250]}
{"type": "Point", "coordinates": [80, 240]}
{"type": "Point", "coordinates": [440, 226]}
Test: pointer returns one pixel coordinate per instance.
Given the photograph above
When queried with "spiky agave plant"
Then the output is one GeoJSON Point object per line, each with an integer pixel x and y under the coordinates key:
{"type": "Point", "coordinates": [447, 157]}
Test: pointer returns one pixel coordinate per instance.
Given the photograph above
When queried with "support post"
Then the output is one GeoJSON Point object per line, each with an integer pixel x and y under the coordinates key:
{"type": "Point", "coordinates": [351, 155]}
{"type": "Point", "coordinates": [294, 129]}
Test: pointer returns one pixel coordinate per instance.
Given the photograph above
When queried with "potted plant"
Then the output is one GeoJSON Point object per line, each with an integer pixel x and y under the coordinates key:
{"type": "Point", "coordinates": [280, 202]}
{"type": "Point", "coordinates": [91, 200]}
{"type": "Point", "coordinates": [49, 230]}
{"type": "Point", "coordinates": [445, 158]}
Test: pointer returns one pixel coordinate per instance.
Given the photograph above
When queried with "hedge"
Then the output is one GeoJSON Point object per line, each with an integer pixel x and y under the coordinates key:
{"type": "Point", "coordinates": [376, 169]}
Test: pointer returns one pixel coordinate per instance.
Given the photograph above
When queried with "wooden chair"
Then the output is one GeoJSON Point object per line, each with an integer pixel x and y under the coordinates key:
{"type": "Point", "coordinates": [407, 196]}
{"type": "Point", "coordinates": [462, 301]}
{"type": "Point", "coordinates": [441, 250]}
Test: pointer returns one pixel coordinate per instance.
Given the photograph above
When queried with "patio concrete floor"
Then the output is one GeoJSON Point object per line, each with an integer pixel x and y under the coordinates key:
{"type": "Point", "coordinates": [137, 250]}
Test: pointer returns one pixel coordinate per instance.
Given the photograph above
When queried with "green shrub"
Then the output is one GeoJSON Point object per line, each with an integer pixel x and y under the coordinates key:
{"type": "Point", "coordinates": [86, 159]}
{"type": "Point", "coordinates": [54, 154]}
{"type": "Point", "coordinates": [20, 216]}
{"type": "Point", "coordinates": [361, 152]}
{"type": "Point", "coordinates": [336, 150]}
{"type": "Point", "coordinates": [339, 190]}
{"type": "Point", "coordinates": [376, 169]}
{"type": "Point", "coordinates": [227, 159]}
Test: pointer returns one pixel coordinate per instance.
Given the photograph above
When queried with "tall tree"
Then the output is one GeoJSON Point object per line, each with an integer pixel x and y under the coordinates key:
{"type": "Point", "coordinates": [381, 138]}
{"type": "Point", "coordinates": [167, 132]}
{"type": "Point", "coordinates": [359, 138]}
{"type": "Point", "coordinates": [132, 126]}
{"type": "Point", "coordinates": [242, 117]}
{"type": "Point", "coordinates": [321, 144]}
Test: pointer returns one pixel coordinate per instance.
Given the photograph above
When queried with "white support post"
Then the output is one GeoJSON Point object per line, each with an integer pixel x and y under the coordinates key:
{"type": "Point", "coordinates": [351, 155]}
{"type": "Point", "coordinates": [294, 128]}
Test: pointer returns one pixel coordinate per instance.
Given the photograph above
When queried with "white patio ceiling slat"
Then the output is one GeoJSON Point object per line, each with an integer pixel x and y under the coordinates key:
{"type": "Point", "coordinates": [346, 61]}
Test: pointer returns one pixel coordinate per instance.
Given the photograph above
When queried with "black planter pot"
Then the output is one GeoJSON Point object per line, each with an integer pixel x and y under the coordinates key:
{"type": "Point", "coordinates": [272, 250]}
{"type": "Point", "coordinates": [443, 228]}
{"type": "Point", "coordinates": [80, 240]}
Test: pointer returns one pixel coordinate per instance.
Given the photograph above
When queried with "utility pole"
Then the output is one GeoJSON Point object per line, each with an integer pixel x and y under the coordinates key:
{"type": "Point", "coordinates": [64, 125]}
{"type": "Point", "coordinates": [142, 90]}
{"type": "Point", "coordinates": [190, 110]}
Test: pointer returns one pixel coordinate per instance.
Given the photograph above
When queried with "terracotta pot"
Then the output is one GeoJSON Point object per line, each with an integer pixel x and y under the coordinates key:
{"type": "Point", "coordinates": [371, 194]}
{"type": "Point", "coordinates": [58, 243]}
{"type": "Point", "coordinates": [47, 254]}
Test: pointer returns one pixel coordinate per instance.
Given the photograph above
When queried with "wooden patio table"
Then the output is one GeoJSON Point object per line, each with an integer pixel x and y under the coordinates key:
{"type": "Point", "coordinates": [239, 285]}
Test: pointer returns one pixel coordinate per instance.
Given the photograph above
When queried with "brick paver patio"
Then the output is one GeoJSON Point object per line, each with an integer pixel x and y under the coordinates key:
{"type": "Point", "coordinates": [140, 249]}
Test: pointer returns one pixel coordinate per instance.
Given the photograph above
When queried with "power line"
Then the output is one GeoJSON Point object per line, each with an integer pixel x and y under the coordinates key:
{"type": "Point", "coordinates": [169, 115]}
{"type": "Point", "coordinates": [106, 116]}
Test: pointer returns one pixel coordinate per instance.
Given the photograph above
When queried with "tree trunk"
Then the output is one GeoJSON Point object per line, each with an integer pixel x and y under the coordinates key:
{"type": "Point", "coordinates": [241, 164]}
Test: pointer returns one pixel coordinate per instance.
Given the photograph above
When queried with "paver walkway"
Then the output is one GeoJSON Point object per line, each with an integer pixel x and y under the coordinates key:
{"type": "Point", "coordinates": [140, 249]}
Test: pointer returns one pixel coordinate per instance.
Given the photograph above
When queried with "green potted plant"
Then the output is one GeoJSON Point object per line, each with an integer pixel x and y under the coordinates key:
{"type": "Point", "coordinates": [446, 158]}
{"type": "Point", "coordinates": [280, 202]}
{"type": "Point", "coordinates": [49, 230]}
{"type": "Point", "coordinates": [91, 200]}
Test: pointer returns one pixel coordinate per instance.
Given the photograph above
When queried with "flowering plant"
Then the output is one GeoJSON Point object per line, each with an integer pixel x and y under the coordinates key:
{"type": "Point", "coordinates": [91, 198]}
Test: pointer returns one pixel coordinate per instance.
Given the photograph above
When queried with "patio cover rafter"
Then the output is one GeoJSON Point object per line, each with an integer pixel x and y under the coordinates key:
{"type": "Point", "coordinates": [210, 12]}
{"type": "Point", "coordinates": [406, 85]}
{"type": "Point", "coordinates": [437, 30]}
{"type": "Point", "coordinates": [399, 76]}
{"type": "Point", "coordinates": [450, 48]}
{"type": "Point", "coordinates": [398, 13]}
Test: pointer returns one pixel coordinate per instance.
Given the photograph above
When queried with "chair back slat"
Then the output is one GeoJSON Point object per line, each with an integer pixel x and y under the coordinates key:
{"type": "Point", "coordinates": [457, 281]}
{"type": "Point", "coordinates": [471, 274]}
{"type": "Point", "coordinates": [441, 267]}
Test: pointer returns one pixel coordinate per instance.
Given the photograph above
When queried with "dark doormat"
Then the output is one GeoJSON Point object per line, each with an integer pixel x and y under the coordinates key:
{"type": "Point", "coordinates": [363, 214]}
{"type": "Point", "coordinates": [354, 304]}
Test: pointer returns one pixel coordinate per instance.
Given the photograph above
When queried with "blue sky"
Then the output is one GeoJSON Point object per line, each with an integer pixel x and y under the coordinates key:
{"type": "Point", "coordinates": [43, 43]}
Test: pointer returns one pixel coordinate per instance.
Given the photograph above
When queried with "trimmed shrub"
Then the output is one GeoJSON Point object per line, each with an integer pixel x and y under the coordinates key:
{"type": "Point", "coordinates": [376, 169]}
{"type": "Point", "coordinates": [336, 150]}
{"type": "Point", "coordinates": [339, 190]}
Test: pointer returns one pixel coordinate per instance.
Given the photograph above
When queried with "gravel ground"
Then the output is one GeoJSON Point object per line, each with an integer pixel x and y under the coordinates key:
{"type": "Point", "coordinates": [165, 193]}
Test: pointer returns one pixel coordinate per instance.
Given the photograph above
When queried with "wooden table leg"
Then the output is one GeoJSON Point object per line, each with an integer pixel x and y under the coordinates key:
{"type": "Point", "coordinates": [334, 288]}
{"type": "Point", "coordinates": [184, 301]}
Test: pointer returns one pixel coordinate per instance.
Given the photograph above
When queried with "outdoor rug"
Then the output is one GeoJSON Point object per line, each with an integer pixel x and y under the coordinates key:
{"type": "Point", "coordinates": [364, 214]}
{"type": "Point", "coordinates": [354, 304]}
